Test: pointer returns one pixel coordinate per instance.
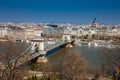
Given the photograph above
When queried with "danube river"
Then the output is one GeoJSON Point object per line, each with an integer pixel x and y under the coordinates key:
{"type": "Point", "coordinates": [91, 54]}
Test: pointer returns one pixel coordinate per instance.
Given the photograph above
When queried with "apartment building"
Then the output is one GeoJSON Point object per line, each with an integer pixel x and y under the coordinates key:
{"type": "Point", "coordinates": [21, 34]}
{"type": "Point", "coordinates": [3, 32]}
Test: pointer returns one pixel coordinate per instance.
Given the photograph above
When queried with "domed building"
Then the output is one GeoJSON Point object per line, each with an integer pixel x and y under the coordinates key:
{"type": "Point", "coordinates": [94, 23]}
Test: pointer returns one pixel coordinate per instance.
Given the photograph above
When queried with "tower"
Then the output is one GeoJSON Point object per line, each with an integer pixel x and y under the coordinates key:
{"type": "Point", "coordinates": [66, 37]}
{"type": "Point", "coordinates": [38, 47]}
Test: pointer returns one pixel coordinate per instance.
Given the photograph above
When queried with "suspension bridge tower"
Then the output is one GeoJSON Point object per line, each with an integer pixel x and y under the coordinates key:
{"type": "Point", "coordinates": [38, 47]}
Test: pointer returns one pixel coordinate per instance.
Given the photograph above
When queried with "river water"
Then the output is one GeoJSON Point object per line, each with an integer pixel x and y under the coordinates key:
{"type": "Point", "coordinates": [91, 54]}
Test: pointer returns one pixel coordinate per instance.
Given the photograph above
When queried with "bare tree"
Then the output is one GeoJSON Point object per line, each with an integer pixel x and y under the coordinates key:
{"type": "Point", "coordinates": [111, 61]}
{"type": "Point", "coordinates": [67, 64]}
{"type": "Point", "coordinates": [10, 55]}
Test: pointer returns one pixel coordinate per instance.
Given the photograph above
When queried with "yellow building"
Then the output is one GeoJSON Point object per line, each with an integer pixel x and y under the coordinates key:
{"type": "Point", "coordinates": [16, 34]}
{"type": "Point", "coordinates": [29, 34]}
{"type": "Point", "coordinates": [21, 34]}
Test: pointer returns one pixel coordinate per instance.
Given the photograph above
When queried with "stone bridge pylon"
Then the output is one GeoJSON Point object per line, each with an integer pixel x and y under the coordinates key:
{"type": "Point", "coordinates": [38, 47]}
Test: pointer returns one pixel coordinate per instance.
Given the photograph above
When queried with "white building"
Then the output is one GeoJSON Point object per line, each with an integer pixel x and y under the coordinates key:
{"type": "Point", "coordinates": [38, 31]}
{"type": "Point", "coordinates": [3, 32]}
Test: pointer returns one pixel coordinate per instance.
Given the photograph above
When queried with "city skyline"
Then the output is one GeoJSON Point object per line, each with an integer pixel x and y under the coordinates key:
{"type": "Point", "coordinates": [60, 11]}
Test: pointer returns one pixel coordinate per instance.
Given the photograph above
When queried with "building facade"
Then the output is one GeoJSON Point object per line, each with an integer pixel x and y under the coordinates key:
{"type": "Point", "coordinates": [3, 32]}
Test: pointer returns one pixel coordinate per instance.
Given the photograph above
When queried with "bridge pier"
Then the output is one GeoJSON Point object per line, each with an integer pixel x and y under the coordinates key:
{"type": "Point", "coordinates": [38, 47]}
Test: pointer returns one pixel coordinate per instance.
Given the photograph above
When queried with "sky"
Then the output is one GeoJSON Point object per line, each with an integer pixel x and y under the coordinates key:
{"type": "Point", "coordinates": [60, 11]}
